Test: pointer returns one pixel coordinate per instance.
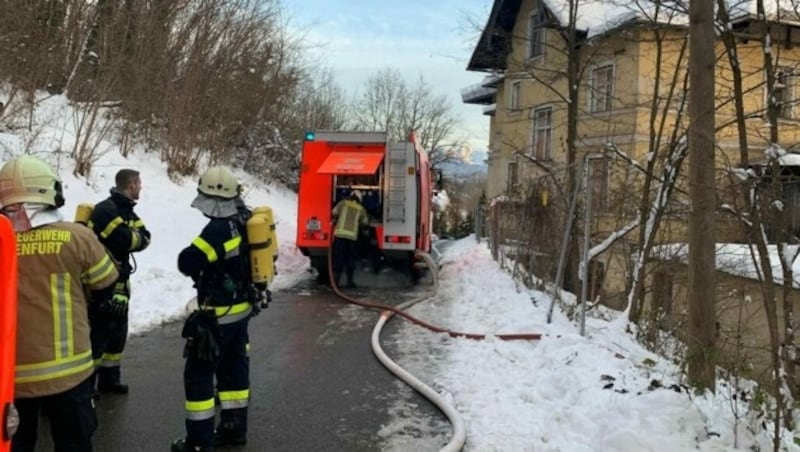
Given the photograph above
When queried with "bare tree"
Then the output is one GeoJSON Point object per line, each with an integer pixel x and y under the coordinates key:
{"type": "Point", "coordinates": [388, 103]}
{"type": "Point", "coordinates": [431, 115]}
{"type": "Point", "coordinates": [702, 189]}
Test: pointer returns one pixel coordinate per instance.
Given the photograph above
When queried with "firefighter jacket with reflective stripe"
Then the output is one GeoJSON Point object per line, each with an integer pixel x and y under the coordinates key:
{"type": "Point", "coordinates": [59, 263]}
{"type": "Point", "coordinates": [218, 263]}
{"type": "Point", "coordinates": [119, 229]}
{"type": "Point", "coordinates": [350, 217]}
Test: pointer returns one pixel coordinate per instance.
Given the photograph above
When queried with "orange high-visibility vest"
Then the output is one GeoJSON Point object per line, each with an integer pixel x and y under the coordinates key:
{"type": "Point", "coordinates": [8, 321]}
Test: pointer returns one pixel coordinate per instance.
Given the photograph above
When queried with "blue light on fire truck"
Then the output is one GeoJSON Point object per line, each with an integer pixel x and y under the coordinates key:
{"type": "Point", "coordinates": [310, 136]}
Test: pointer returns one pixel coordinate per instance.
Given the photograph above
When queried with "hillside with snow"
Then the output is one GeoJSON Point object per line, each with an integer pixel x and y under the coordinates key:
{"type": "Point", "coordinates": [164, 207]}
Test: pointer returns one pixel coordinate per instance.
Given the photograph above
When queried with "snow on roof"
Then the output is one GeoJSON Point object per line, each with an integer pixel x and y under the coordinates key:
{"type": "Point", "coordinates": [789, 159]}
{"type": "Point", "coordinates": [599, 16]}
{"type": "Point", "coordinates": [738, 259]}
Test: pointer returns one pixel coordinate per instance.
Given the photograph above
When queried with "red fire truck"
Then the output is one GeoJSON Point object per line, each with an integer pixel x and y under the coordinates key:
{"type": "Point", "coordinates": [8, 330]}
{"type": "Point", "coordinates": [394, 179]}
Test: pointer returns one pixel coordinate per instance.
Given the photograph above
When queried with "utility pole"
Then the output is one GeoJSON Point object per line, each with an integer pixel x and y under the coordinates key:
{"type": "Point", "coordinates": [702, 239]}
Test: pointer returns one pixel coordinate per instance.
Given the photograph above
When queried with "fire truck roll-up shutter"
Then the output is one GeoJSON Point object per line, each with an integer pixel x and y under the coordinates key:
{"type": "Point", "coordinates": [351, 163]}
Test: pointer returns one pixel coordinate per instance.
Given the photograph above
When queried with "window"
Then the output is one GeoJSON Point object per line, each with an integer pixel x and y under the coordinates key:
{"type": "Point", "coordinates": [602, 88]}
{"type": "Point", "coordinates": [542, 133]}
{"type": "Point", "coordinates": [783, 92]}
{"type": "Point", "coordinates": [535, 35]}
{"type": "Point", "coordinates": [512, 176]}
{"type": "Point", "coordinates": [514, 96]}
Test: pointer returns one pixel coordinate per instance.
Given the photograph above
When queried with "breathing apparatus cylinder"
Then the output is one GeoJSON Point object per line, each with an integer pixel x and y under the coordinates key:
{"type": "Point", "coordinates": [83, 212]}
{"type": "Point", "coordinates": [273, 236]}
{"type": "Point", "coordinates": [259, 237]}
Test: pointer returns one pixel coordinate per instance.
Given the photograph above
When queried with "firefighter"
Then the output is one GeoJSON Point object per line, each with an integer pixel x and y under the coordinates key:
{"type": "Point", "coordinates": [350, 217]}
{"type": "Point", "coordinates": [60, 263]}
{"type": "Point", "coordinates": [123, 233]}
{"type": "Point", "coordinates": [216, 334]}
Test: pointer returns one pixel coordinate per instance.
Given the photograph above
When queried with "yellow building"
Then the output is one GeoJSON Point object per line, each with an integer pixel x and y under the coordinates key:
{"type": "Point", "coordinates": [632, 87]}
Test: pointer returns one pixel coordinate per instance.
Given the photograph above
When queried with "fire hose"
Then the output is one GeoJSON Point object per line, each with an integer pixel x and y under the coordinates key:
{"type": "Point", "coordinates": [458, 439]}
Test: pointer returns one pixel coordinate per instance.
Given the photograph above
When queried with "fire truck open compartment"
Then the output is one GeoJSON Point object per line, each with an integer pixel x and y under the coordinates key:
{"type": "Point", "coordinates": [394, 181]}
{"type": "Point", "coordinates": [370, 187]}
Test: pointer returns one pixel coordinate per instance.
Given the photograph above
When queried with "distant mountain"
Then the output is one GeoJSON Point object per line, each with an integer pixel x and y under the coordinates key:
{"type": "Point", "coordinates": [479, 157]}
{"type": "Point", "coordinates": [461, 170]}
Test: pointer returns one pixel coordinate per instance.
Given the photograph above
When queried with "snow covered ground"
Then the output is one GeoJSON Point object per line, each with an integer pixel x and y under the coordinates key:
{"type": "Point", "coordinates": [568, 393]}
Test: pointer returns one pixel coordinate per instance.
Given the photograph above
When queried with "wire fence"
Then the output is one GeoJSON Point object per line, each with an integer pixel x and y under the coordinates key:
{"type": "Point", "coordinates": [520, 234]}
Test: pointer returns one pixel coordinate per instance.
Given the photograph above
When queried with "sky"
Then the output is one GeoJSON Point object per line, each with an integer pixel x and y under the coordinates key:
{"type": "Point", "coordinates": [432, 39]}
{"type": "Point", "coordinates": [565, 392]}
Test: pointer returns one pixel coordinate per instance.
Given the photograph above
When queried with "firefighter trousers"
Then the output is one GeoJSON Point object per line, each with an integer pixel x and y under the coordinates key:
{"type": "Point", "coordinates": [232, 372]}
{"type": "Point", "coordinates": [345, 254]}
{"type": "Point", "coordinates": [108, 336]}
{"type": "Point", "coordinates": [72, 418]}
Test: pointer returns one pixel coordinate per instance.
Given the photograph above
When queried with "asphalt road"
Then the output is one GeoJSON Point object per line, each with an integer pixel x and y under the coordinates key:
{"type": "Point", "coordinates": [316, 385]}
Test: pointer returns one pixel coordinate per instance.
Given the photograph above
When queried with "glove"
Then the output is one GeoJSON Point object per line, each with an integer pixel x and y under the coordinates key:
{"type": "Point", "coordinates": [118, 304]}
{"type": "Point", "coordinates": [202, 331]}
{"type": "Point", "coordinates": [207, 347]}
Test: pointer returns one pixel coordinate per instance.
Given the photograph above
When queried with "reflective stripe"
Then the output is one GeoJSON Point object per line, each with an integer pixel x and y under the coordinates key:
{"type": "Point", "coordinates": [27, 373]}
{"type": "Point", "coordinates": [232, 247]}
{"type": "Point", "coordinates": [135, 239]}
{"type": "Point", "coordinates": [111, 360]}
{"type": "Point", "coordinates": [110, 227]}
{"type": "Point", "coordinates": [349, 220]}
{"type": "Point", "coordinates": [206, 248]}
{"type": "Point", "coordinates": [65, 362]}
{"type": "Point", "coordinates": [232, 313]}
{"type": "Point", "coordinates": [123, 285]}
{"type": "Point", "coordinates": [136, 224]}
{"type": "Point", "coordinates": [228, 319]}
{"type": "Point", "coordinates": [199, 410]}
{"type": "Point", "coordinates": [234, 399]}
{"type": "Point", "coordinates": [98, 271]}
{"type": "Point", "coordinates": [64, 345]}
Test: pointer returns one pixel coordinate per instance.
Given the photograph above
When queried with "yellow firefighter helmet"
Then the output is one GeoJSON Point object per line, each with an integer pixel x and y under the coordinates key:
{"type": "Point", "coordinates": [29, 179]}
{"type": "Point", "coordinates": [218, 181]}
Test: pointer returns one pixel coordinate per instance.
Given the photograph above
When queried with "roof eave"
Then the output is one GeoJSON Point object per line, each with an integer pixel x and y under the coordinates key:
{"type": "Point", "coordinates": [494, 44]}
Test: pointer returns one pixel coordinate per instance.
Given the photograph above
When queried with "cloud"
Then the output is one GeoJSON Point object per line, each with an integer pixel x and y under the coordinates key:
{"type": "Point", "coordinates": [416, 37]}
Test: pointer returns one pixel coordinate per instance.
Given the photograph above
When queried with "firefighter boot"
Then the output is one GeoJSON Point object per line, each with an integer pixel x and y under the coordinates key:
{"type": "Point", "coordinates": [108, 380]}
{"type": "Point", "coordinates": [351, 284]}
{"type": "Point", "coordinates": [115, 388]}
{"type": "Point", "coordinates": [180, 445]}
{"type": "Point", "coordinates": [226, 435]}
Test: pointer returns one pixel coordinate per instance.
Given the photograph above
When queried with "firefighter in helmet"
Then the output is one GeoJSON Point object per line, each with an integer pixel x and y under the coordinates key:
{"type": "Point", "coordinates": [123, 233]}
{"type": "Point", "coordinates": [216, 332]}
{"type": "Point", "coordinates": [350, 217]}
{"type": "Point", "coordinates": [60, 265]}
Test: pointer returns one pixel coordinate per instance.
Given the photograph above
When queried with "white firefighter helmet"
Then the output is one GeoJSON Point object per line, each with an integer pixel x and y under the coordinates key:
{"type": "Point", "coordinates": [218, 181]}
{"type": "Point", "coordinates": [29, 179]}
{"type": "Point", "coordinates": [357, 195]}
